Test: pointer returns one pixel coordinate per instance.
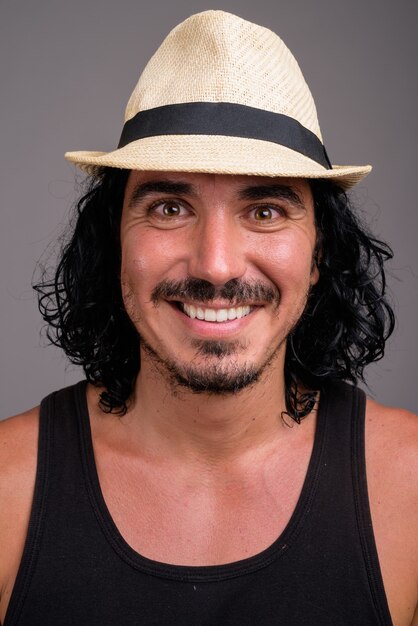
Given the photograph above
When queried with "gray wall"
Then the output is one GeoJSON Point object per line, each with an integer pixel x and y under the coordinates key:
{"type": "Point", "coordinates": [67, 71]}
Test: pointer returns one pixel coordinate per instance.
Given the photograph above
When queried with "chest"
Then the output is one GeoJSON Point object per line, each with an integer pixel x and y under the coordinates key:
{"type": "Point", "coordinates": [174, 517]}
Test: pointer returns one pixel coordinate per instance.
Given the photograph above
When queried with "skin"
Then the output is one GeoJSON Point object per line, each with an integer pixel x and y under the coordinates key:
{"type": "Point", "coordinates": [210, 243]}
{"type": "Point", "coordinates": [196, 463]}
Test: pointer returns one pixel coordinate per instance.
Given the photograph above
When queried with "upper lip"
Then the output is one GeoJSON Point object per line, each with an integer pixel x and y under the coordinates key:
{"type": "Point", "coordinates": [216, 305]}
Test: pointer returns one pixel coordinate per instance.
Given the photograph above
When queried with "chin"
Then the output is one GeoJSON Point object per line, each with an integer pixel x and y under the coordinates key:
{"type": "Point", "coordinates": [215, 368]}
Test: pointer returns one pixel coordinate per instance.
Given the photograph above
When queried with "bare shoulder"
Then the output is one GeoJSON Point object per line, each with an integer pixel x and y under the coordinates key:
{"type": "Point", "coordinates": [392, 476]}
{"type": "Point", "coordinates": [18, 458]}
{"type": "Point", "coordinates": [392, 459]}
{"type": "Point", "coordinates": [392, 442]}
{"type": "Point", "coordinates": [18, 443]}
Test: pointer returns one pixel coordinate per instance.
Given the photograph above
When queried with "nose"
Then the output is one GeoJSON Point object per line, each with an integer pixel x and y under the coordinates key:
{"type": "Point", "coordinates": [218, 250]}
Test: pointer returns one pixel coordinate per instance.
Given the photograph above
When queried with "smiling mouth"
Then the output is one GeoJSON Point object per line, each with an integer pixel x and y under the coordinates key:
{"type": "Point", "coordinates": [214, 315]}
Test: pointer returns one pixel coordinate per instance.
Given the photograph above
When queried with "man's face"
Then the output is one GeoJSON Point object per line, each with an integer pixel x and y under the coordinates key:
{"type": "Point", "coordinates": [216, 271]}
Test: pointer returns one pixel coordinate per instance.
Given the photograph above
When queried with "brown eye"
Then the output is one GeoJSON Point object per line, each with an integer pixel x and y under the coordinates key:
{"type": "Point", "coordinates": [171, 209]}
{"type": "Point", "coordinates": [263, 213]}
{"type": "Point", "coordinates": [267, 214]}
{"type": "Point", "coordinates": [167, 213]}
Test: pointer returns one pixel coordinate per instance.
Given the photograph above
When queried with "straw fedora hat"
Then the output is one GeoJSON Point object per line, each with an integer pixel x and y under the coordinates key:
{"type": "Point", "coordinates": [222, 95]}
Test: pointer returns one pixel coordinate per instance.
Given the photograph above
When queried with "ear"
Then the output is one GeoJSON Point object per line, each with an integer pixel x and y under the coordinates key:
{"type": "Point", "coordinates": [316, 261]}
{"type": "Point", "coordinates": [314, 274]}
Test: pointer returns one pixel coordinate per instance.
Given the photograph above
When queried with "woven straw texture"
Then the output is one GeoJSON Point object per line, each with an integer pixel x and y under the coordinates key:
{"type": "Point", "coordinates": [218, 57]}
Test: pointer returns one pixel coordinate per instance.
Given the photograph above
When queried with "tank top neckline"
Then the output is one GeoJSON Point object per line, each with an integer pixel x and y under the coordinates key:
{"type": "Point", "coordinates": [198, 573]}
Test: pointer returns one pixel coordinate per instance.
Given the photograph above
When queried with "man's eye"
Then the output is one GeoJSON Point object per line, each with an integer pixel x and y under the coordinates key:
{"type": "Point", "coordinates": [171, 210]}
{"type": "Point", "coordinates": [168, 209]}
{"type": "Point", "coordinates": [266, 213]}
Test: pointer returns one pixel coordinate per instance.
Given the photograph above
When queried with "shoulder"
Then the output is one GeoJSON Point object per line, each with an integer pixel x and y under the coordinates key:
{"type": "Point", "coordinates": [18, 442]}
{"type": "Point", "coordinates": [392, 454]}
{"type": "Point", "coordinates": [392, 477]}
{"type": "Point", "coordinates": [18, 448]}
{"type": "Point", "coordinates": [392, 441]}
{"type": "Point", "coordinates": [18, 459]}
{"type": "Point", "coordinates": [392, 464]}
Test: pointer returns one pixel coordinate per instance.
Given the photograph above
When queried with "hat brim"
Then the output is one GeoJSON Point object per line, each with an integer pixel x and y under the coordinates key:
{"type": "Point", "coordinates": [215, 154]}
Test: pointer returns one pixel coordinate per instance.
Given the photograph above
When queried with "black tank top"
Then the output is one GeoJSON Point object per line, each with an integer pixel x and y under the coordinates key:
{"type": "Point", "coordinates": [77, 569]}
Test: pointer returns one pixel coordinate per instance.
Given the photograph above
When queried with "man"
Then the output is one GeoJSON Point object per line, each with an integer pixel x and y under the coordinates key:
{"type": "Point", "coordinates": [218, 291]}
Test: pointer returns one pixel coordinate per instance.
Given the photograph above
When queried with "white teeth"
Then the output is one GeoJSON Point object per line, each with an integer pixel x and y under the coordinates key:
{"type": "Point", "coordinates": [222, 315]}
{"type": "Point", "coordinates": [191, 313]}
{"type": "Point", "coordinates": [210, 315]}
{"type": "Point", "coordinates": [215, 315]}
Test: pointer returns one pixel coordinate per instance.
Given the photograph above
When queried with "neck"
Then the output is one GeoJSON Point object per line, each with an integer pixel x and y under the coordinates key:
{"type": "Point", "coordinates": [213, 428]}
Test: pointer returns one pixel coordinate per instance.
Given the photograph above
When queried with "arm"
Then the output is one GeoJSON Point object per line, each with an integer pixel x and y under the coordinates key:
{"type": "Point", "coordinates": [392, 475]}
{"type": "Point", "coordinates": [18, 454]}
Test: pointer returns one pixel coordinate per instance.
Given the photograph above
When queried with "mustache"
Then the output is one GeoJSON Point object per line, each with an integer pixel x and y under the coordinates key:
{"type": "Point", "coordinates": [235, 291]}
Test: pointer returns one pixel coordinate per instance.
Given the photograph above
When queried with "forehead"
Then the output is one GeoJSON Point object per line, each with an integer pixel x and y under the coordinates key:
{"type": "Point", "coordinates": [225, 185]}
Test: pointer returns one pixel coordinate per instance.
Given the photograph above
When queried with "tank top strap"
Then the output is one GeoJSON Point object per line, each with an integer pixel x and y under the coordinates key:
{"type": "Point", "coordinates": [61, 419]}
{"type": "Point", "coordinates": [363, 514]}
{"type": "Point", "coordinates": [58, 457]}
{"type": "Point", "coordinates": [344, 493]}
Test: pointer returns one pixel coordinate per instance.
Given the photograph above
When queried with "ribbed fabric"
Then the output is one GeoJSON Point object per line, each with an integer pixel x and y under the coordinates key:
{"type": "Point", "coordinates": [77, 569]}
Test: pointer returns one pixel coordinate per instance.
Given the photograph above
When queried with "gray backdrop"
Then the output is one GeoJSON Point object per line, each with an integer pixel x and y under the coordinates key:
{"type": "Point", "coordinates": [68, 68]}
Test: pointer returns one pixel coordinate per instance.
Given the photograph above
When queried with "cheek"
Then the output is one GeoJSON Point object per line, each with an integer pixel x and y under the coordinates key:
{"type": "Point", "coordinates": [289, 259]}
{"type": "Point", "coordinates": [145, 261]}
{"type": "Point", "coordinates": [136, 277]}
{"type": "Point", "coordinates": [135, 266]}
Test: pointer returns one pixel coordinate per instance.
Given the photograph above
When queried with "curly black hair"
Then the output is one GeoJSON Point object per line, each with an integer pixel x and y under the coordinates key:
{"type": "Point", "coordinates": [344, 327]}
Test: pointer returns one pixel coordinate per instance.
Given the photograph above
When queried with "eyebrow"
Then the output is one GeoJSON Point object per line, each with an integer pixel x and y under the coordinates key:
{"type": "Point", "coordinates": [160, 186]}
{"type": "Point", "coordinates": [280, 192]}
{"type": "Point", "coordinates": [179, 188]}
